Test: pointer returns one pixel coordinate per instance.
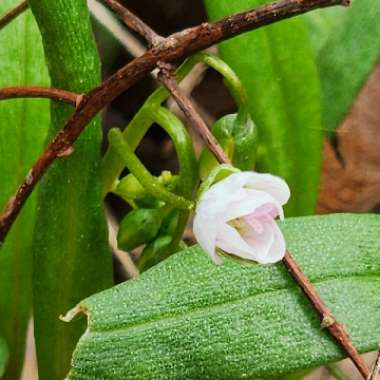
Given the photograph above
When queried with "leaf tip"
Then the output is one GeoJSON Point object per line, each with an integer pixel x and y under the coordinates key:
{"type": "Point", "coordinates": [71, 314]}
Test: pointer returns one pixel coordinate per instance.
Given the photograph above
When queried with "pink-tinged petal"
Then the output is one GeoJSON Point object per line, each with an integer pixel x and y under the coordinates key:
{"type": "Point", "coordinates": [232, 242]}
{"type": "Point", "coordinates": [262, 215]}
{"type": "Point", "coordinates": [253, 200]}
{"type": "Point", "coordinates": [278, 248]}
{"type": "Point", "coordinates": [261, 242]}
{"type": "Point", "coordinates": [255, 223]}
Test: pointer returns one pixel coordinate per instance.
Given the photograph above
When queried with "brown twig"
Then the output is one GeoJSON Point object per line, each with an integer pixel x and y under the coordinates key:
{"type": "Point", "coordinates": [327, 319]}
{"type": "Point", "coordinates": [134, 22]}
{"type": "Point", "coordinates": [13, 13]}
{"type": "Point", "coordinates": [177, 46]}
{"type": "Point", "coordinates": [39, 92]}
{"type": "Point", "coordinates": [107, 19]}
{"type": "Point", "coordinates": [166, 76]}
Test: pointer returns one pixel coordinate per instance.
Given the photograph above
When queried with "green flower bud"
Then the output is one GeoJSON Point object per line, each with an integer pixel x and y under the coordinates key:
{"type": "Point", "coordinates": [138, 227]}
{"type": "Point", "coordinates": [129, 188]}
{"type": "Point", "coordinates": [149, 202]}
{"type": "Point", "coordinates": [237, 135]}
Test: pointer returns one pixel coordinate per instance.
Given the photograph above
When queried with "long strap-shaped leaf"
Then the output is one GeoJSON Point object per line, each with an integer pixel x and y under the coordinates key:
{"type": "Point", "coordinates": [4, 355]}
{"type": "Point", "coordinates": [277, 67]}
{"type": "Point", "coordinates": [72, 259]}
{"type": "Point", "coordinates": [189, 319]}
{"type": "Point", "coordinates": [23, 129]}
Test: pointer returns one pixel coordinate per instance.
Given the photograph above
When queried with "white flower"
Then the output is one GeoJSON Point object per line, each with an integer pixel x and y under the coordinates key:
{"type": "Point", "coordinates": [237, 216]}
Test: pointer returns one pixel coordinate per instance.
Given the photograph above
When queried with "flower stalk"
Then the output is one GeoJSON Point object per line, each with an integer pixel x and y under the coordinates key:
{"type": "Point", "coordinates": [150, 183]}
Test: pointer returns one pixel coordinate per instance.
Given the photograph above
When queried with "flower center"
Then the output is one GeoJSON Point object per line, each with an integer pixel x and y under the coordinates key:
{"type": "Point", "coordinates": [255, 221]}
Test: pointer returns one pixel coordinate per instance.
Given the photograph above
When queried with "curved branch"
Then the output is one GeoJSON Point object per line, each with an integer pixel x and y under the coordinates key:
{"type": "Point", "coordinates": [13, 13]}
{"type": "Point", "coordinates": [175, 47]}
{"type": "Point", "coordinates": [40, 92]}
{"type": "Point", "coordinates": [134, 22]}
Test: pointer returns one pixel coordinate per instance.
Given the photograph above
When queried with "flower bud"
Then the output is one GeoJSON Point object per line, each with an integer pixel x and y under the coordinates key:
{"type": "Point", "coordinates": [138, 227]}
{"type": "Point", "coordinates": [129, 188]}
{"type": "Point", "coordinates": [237, 135]}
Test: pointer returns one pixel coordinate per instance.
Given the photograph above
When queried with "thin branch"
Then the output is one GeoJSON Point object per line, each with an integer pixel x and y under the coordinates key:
{"type": "Point", "coordinates": [134, 22]}
{"type": "Point", "coordinates": [166, 76]}
{"type": "Point", "coordinates": [175, 47]}
{"type": "Point", "coordinates": [40, 92]}
{"type": "Point", "coordinates": [13, 13]}
{"type": "Point", "coordinates": [106, 18]}
{"type": "Point", "coordinates": [327, 319]}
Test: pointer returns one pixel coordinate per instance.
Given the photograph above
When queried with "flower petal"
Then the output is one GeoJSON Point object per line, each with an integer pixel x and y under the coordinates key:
{"type": "Point", "coordinates": [229, 187]}
{"type": "Point", "coordinates": [252, 201]}
{"type": "Point", "coordinates": [268, 183]}
{"type": "Point", "coordinates": [230, 241]}
{"type": "Point", "coordinates": [261, 242]}
{"type": "Point", "coordinates": [278, 248]}
{"type": "Point", "coordinates": [205, 234]}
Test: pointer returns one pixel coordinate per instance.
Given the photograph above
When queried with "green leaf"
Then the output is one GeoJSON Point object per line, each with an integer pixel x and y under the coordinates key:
{"type": "Point", "coordinates": [348, 47]}
{"type": "Point", "coordinates": [23, 128]}
{"type": "Point", "coordinates": [189, 319]}
{"type": "Point", "coordinates": [72, 258]}
{"type": "Point", "coordinates": [277, 67]}
{"type": "Point", "coordinates": [4, 354]}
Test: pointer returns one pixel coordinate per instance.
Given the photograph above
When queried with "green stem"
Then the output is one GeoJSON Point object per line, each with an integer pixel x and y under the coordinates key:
{"type": "Point", "coordinates": [231, 80]}
{"type": "Point", "coordinates": [112, 165]}
{"type": "Point", "coordinates": [188, 172]}
{"type": "Point", "coordinates": [135, 166]}
{"type": "Point", "coordinates": [187, 162]}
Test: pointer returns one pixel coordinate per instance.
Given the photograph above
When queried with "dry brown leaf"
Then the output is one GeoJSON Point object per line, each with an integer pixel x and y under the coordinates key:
{"type": "Point", "coordinates": [350, 179]}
